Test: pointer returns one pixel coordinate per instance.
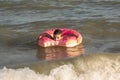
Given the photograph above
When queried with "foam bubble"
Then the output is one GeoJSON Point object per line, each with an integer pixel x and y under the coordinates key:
{"type": "Point", "coordinates": [64, 72]}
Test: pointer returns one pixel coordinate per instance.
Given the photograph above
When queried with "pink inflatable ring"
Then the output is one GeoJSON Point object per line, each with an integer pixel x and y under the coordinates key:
{"type": "Point", "coordinates": [68, 40]}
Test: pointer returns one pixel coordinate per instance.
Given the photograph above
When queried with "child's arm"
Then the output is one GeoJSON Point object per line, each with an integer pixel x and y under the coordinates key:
{"type": "Point", "coordinates": [46, 35]}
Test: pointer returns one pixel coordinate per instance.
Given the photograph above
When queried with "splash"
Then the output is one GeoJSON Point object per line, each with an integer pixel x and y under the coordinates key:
{"type": "Point", "coordinates": [90, 67]}
{"type": "Point", "coordinates": [110, 71]}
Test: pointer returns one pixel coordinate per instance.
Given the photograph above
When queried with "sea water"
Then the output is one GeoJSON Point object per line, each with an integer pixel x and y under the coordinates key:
{"type": "Point", "coordinates": [97, 58]}
{"type": "Point", "coordinates": [89, 67]}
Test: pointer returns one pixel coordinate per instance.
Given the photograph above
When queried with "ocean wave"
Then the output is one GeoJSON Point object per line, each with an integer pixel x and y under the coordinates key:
{"type": "Point", "coordinates": [65, 72]}
{"type": "Point", "coordinates": [88, 69]}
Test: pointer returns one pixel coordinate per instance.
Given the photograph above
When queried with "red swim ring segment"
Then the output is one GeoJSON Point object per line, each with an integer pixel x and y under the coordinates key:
{"type": "Point", "coordinates": [68, 40]}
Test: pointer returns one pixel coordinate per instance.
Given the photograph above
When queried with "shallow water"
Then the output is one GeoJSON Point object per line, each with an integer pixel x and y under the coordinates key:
{"type": "Point", "coordinates": [87, 67]}
{"type": "Point", "coordinates": [21, 22]}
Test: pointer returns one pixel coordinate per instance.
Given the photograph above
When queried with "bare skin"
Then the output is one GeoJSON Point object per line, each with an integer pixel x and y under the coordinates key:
{"type": "Point", "coordinates": [58, 36]}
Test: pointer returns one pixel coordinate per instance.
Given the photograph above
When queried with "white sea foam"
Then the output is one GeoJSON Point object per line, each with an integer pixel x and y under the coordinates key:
{"type": "Point", "coordinates": [64, 72]}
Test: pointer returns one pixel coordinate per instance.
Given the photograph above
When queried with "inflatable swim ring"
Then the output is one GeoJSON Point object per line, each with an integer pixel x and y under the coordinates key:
{"type": "Point", "coordinates": [67, 40]}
